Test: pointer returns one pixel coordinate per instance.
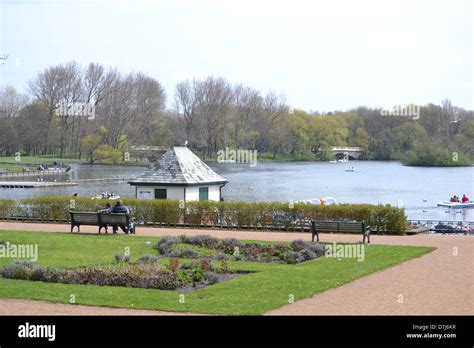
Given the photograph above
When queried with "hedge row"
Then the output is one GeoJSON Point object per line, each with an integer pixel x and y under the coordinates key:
{"type": "Point", "coordinates": [280, 215]}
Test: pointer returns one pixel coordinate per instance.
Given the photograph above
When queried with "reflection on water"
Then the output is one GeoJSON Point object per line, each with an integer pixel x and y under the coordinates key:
{"type": "Point", "coordinates": [417, 188]}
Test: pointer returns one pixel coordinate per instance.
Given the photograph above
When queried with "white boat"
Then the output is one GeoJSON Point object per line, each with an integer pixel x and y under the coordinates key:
{"type": "Point", "coordinates": [350, 169]}
{"type": "Point", "coordinates": [110, 197]}
{"type": "Point", "coordinates": [333, 161]}
{"type": "Point", "coordinates": [318, 201]}
{"type": "Point", "coordinates": [456, 205]}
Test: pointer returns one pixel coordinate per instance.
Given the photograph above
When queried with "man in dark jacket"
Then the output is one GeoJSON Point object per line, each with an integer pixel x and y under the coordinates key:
{"type": "Point", "coordinates": [120, 208]}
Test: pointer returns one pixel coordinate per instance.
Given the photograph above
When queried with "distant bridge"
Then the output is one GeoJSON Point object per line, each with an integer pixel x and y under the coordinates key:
{"type": "Point", "coordinates": [350, 152]}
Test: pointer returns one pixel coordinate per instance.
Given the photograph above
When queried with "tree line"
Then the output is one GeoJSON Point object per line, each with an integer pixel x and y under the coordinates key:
{"type": "Point", "coordinates": [210, 114]}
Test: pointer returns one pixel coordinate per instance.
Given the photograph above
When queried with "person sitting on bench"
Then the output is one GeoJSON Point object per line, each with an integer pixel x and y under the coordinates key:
{"type": "Point", "coordinates": [107, 210]}
{"type": "Point", "coordinates": [120, 208]}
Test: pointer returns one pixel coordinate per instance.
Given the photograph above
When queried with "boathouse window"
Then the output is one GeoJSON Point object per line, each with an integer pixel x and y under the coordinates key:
{"type": "Point", "coordinates": [160, 194]}
{"type": "Point", "coordinates": [204, 193]}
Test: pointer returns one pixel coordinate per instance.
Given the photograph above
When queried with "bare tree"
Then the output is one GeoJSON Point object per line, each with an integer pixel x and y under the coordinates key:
{"type": "Point", "coordinates": [62, 83]}
{"type": "Point", "coordinates": [116, 111]}
{"type": "Point", "coordinates": [149, 100]}
{"type": "Point", "coordinates": [213, 100]}
{"type": "Point", "coordinates": [245, 114]}
{"type": "Point", "coordinates": [11, 101]}
{"type": "Point", "coordinates": [185, 101]}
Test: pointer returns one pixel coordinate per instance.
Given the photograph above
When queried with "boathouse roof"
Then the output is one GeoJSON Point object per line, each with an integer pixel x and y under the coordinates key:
{"type": "Point", "coordinates": [179, 166]}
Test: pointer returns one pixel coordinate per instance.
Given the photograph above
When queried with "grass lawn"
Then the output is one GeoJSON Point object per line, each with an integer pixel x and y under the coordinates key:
{"type": "Point", "coordinates": [269, 287]}
{"type": "Point", "coordinates": [11, 167]}
{"type": "Point", "coordinates": [42, 159]}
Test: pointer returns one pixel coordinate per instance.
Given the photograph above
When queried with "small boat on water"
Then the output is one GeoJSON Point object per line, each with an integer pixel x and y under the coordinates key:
{"type": "Point", "coordinates": [106, 196]}
{"type": "Point", "coordinates": [456, 205]}
{"type": "Point", "coordinates": [350, 169]}
{"type": "Point", "coordinates": [319, 201]}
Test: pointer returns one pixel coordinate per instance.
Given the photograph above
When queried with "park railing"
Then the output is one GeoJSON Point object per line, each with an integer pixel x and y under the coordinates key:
{"type": "Point", "coordinates": [235, 215]}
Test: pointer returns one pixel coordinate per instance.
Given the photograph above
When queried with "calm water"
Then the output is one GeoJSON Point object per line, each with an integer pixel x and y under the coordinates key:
{"type": "Point", "coordinates": [418, 189]}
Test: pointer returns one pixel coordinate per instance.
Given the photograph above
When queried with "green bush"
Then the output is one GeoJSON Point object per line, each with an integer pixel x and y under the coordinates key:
{"type": "Point", "coordinates": [278, 215]}
{"type": "Point", "coordinates": [7, 208]}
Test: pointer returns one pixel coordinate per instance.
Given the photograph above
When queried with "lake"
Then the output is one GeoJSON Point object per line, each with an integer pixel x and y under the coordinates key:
{"type": "Point", "coordinates": [418, 189]}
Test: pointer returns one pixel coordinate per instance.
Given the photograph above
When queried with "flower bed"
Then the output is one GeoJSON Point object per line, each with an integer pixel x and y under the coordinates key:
{"type": "Point", "coordinates": [206, 262]}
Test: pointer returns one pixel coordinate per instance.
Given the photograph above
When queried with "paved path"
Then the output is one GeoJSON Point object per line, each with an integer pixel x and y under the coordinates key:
{"type": "Point", "coordinates": [440, 282]}
{"type": "Point", "coordinates": [29, 307]}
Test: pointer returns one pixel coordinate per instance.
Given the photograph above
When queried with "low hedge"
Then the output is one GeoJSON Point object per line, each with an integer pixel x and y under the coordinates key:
{"type": "Point", "coordinates": [278, 215]}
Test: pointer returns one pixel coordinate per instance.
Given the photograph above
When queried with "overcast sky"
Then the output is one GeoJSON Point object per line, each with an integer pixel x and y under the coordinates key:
{"type": "Point", "coordinates": [323, 55]}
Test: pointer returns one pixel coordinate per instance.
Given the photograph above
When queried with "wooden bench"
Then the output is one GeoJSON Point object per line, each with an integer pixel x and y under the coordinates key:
{"type": "Point", "coordinates": [340, 227]}
{"type": "Point", "coordinates": [103, 220]}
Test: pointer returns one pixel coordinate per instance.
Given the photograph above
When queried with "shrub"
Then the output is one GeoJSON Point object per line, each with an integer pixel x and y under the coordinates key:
{"type": "Point", "coordinates": [39, 274]}
{"type": "Point", "coordinates": [205, 264]}
{"type": "Point", "coordinates": [147, 259]}
{"type": "Point", "coordinates": [126, 277]}
{"type": "Point", "coordinates": [292, 257]}
{"type": "Point", "coordinates": [118, 257]}
{"type": "Point", "coordinates": [211, 278]}
{"type": "Point", "coordinates": [173, 265]}
{"type": "Point", "coordinates": [202, 240]}
{"type": "Point", "coordinates": [298, 245]}
{"type": "Point", "coordinates": [316, 248]}
{"type": "Point", "coordinates": [7, 208]}
{"type": "Point", "coordinates": [307, 254]}
{"type": "Point", "coordinates": [386, 219]}
{"type": "Point", "coordinates": [229, 245]}
{"type": "Point", "coordinates": [197, 274]}
{"type": "Point", "coordinates": [224, 267]}
{"type": "Point", "coordinates": [166, 243]}
{"type": "Point", "coordinates": [219, 257]}
{"type": "Point", "coordinates": [185, 253]}
{"type": "Point", "coordinates": [20, 269]}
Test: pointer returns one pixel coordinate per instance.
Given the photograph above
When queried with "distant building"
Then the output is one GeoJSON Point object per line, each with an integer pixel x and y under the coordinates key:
{"type": "Point", "coordinates": [179, 174]}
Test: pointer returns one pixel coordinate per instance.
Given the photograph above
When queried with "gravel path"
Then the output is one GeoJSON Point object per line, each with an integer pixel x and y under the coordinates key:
{"type": "Point", "coordinates": [29, 307]}
{"type": "Point", "coordinates": [439, 283]}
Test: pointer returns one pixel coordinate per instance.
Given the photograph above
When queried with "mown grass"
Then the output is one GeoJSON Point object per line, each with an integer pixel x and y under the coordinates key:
{"type": "Point", "coordinates": [268, 288]}
{"type": "Point", "coordinates": [39, 159]}
{"type": "Point", "coordinates": [11, 167]}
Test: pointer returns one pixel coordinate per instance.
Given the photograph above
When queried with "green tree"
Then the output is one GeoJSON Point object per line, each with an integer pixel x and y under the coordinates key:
{"type": "Point", "coordinates": [107, 154]}
{"type": "Point", "coordinates": [90, 143]}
